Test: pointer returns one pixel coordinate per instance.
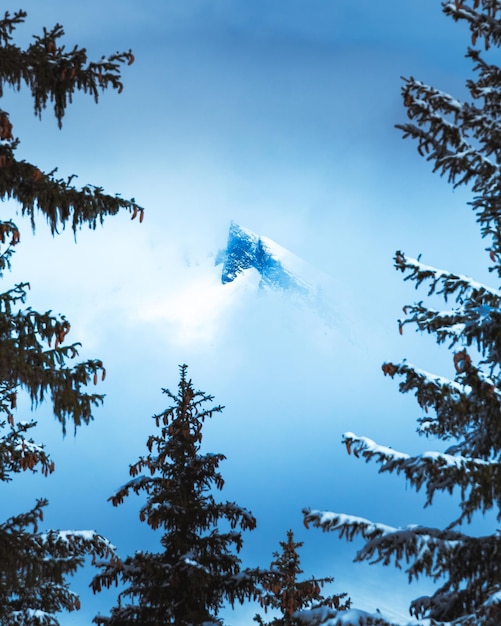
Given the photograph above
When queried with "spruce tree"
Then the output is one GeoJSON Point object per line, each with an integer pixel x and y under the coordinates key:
{"type": "Point", "coordinates": [280, 588]}
{"type": "Point", "coordinates": [35, 357]}
{"type": "Point", "coordinates": [197, 570]}
{"type": "Point", "coordinates": [462, 140]}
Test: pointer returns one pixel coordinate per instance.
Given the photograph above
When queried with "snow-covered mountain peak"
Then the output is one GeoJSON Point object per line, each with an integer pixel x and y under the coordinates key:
{"type": "Point", "coordinates": [278, 267]}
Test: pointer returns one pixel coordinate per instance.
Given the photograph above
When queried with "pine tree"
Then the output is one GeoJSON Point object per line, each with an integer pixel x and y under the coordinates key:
{"type": "Point", "coordinates": [197, 569]}
{"type": "Point", "coordinates": [282, 590]}
{"type": "Point", "coordinates": [34, 355]}
{"type": "Point", "coordinates": [462, 140]}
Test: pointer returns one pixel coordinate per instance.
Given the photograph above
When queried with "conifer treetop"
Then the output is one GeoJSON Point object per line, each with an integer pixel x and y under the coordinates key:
{"type": "Point", "coordinates": [281, 589]}
{"type": "Point", "coordinates": [198, 568]}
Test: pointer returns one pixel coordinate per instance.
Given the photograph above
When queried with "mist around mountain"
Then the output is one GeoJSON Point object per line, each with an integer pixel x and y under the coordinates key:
{"type": "Point", "coordinates": [252, 257]}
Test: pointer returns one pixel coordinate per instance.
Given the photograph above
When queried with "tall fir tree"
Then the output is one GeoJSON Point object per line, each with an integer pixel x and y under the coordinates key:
{"type": "Point", "coordinates": [280, 588]}
{"type": "Point", "coordinates": [462, 140]}
{"type": "Point", "coordinates": [197, 570]}
{"type": "Point", "coordinates": [35, 357]}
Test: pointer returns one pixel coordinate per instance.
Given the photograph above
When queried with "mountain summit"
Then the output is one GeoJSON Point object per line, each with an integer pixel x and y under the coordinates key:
{"type": "Point", "coordinates": [277, 267]}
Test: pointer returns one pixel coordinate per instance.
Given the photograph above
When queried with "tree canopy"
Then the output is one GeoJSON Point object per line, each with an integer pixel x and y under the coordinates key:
{"type": "Point", "coordinates": [198, 568]}
{"type": "Point", "coordinates": [280, 588]}
{"type": "Point", "coordinates": [35, 356]}
{"type": "Point", "coordinates": [461, 139]}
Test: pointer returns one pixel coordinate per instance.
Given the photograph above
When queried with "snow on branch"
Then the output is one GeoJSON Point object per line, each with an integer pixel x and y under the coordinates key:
{"type": "Point", "coordinates": [445, 141]}
{"type": "Point", "coordinates": [482, 24]}
{"type": "Point", "coordinates": [477, 121]}
{"type": "Point", "coordinates": [427, 549]}
{"type": "Point", "coordinates": [347, 525]}
{"type": "Point", "coordinates": [432, 390]}
{"type": "Point", "coordinates": [390, 459]}
{"type": "Point", "coordinates": [70, 536]}
{"type": "Point", "coordinates": [460, 406]}
{"type": "Point", "coordinates": [483, 610]}
{"type": "Point", "coordinates": [476, 319]}
{"type": "Point", "coordinates": [446, 283]}
{"type": "Point", "coordinates": [471, 323]}
{"type": "Point", "coordinates": [17, 452]}
{"type": "Point", "coordinates": [458, 137]}
{"type": "Point", "coordinates": [325, 616]}
{"type": "Point", "coordinates": [37, 617]}
{"type": "Point", "coordinates": [370, 448]}
{"type": "Point", "coordinates": [66, 544]}
{"type": "Point", "coordinates": [439, 471]}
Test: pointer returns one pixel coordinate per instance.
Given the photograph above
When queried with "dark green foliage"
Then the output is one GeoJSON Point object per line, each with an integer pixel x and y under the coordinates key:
{"type": "Point", "coordinates": [34, 355]}
{"type": "Point", "coordinates": [197, 570]}
{"type": "Point", "coordinates": [35, 566]}
{"type": "Point", "coordinates": [281, 589]}
{"type": "Point", "coordinates": [52, 74]}
{"type": "Point", "coordinates": [50, 71]}
{"type": "Point", "coordinates": [462, 141]}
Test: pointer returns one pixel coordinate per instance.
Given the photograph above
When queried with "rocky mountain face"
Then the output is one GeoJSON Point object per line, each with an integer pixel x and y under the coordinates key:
{"type": "Point", "coordinates": [277, 266]}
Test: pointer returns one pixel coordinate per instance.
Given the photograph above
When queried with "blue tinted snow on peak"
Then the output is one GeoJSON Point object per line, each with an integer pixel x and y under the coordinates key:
{"type": "Point", "coordinates": [278, 268]}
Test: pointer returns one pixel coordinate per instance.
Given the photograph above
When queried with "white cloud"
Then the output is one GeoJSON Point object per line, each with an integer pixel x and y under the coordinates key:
{"type": "Point", "coordinates": [197, 308]}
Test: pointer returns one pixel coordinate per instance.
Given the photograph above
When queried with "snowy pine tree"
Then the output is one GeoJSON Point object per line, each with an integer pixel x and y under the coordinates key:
{"type": "Point", "coordinates": [281, 589]}
{"type": "Point", "coordinates": [197, 570]}
{"type": "Point", "coordinates": [34, 355]}
{"type": "Point", "coordinates": [462, 140]}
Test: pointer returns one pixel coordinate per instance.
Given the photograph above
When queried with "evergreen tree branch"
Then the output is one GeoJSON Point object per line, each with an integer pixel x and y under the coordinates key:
{"type": "Point", "coordinates": [34, 355]}
{"type": "Point", "coordinates": [325, 616]}
{"type": "Point", "coordinates": [51, 72]}
{"type": "Point", "coordinates": [446, 283]}
{"type": "Point", "coordinates": [438, 471]}
{"type": "Point", "coordinates": [484, 23]}
{"type": "Point", "coordinates": [34, 564]}
{"type": "Point", "coordinates": [461, 406]}
{"type": "Point", "coordinates": [57, 199]}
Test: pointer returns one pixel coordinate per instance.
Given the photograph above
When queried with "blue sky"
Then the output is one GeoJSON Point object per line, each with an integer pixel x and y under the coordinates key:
{"type": "Point", "coordinates": [279, 116]}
